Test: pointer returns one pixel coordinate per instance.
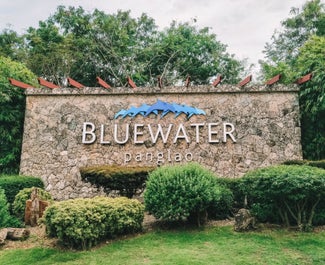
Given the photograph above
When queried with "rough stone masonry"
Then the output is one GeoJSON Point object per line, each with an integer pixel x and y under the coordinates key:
{"type": "Point", "coordinates": [236, 130]}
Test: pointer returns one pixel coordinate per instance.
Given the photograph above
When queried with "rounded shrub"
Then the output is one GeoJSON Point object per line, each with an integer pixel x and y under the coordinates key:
{"type": "Point", "coordinates": [19, 204]}
{"type": "Point", "coordinates": [182, 192]}
{"type": "Point", "coordinates": [289, 193]}
{"type": "Point", "coordinates": [82, 223]}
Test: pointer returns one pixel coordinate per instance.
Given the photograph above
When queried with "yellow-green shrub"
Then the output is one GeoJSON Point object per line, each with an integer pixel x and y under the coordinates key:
{"type": "Point", "coordinates": [82, 223]}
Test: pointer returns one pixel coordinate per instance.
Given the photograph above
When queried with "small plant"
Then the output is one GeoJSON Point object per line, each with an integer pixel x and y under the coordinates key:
{"type": "Point", "coordinates": [182, 192]}
{"type": "Point", "coordinates": [24, 195]}
{"type": "Point", "coordinates": [290, 192]}
{"type": "Point", "coordinates": [126, 180]}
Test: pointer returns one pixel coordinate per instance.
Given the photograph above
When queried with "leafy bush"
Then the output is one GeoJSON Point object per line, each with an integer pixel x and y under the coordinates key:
{"type": "Point", "coordinates": [13, 184]}
{"type": "Point", "coordinates": [6, 220]}
{"type": "Point", "coordinates": [290, 193]}
{"type": "Point", "coordinates": [126, 180]}
{"type": "Point", "coordinates": [319, 218]}
{"type": "Point", "coordinates": [234, 185]}
{"type": "Point", "coordinates": [82, 223]}
{"type": "Point", "coordinates": [22, 196]}
{"type": "Point", "coordinates": [222, 207]}
{"type": "Point", "coordinates": [183, 192]}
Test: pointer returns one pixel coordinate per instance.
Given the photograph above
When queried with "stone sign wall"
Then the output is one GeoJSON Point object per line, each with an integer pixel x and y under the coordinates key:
{"type": "Point", "coordinates": [227, 129]}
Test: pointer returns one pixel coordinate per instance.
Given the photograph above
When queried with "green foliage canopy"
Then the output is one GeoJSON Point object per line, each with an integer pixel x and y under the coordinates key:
{"type": "Point", "coordinates": [296, 30]}
{"type": "Point", "coordinates": [83, 45]}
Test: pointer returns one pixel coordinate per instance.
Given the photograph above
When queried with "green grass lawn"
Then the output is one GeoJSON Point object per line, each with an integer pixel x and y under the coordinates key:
{"type": "Point", "coordinates": [211, 245]}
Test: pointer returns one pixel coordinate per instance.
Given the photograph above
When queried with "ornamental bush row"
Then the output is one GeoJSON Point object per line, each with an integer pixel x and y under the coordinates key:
{"type": "Point", "coordinates": [82, 223]}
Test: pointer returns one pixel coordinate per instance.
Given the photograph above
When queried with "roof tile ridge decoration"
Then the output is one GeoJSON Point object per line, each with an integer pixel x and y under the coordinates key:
{"type": "Point", "coordinates": [47, 84]}
{"type": "Point", "coordinates": [188, 81]}
{"type": "Point", "coordinates": [273, 80]}
{"type": "Point", "coordinates": [245, 81]}
{"type": "Point", "coordinates": [102, 83]}
{"type": "Point", "coordinates": [304, 79]}
{"type": "Point", "coordinates": [74, 83]}
{"type": "Point", "coordinates": [131, 83]}
{"type": "Point", "coordinates": [20, 84]}
{"type": "Point", "coordinates": [217, 81]}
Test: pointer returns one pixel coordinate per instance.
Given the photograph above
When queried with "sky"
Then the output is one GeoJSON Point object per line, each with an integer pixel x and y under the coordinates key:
{"type": "Point", "coordinates": [245, 26]}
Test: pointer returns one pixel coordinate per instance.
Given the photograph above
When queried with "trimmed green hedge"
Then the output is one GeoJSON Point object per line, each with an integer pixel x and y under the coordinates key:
{"type": "Point", "coordinates": [13, 184]}
{"type": "Point", "coordinates": [290, 193]}
{"type": "Point", "coordinates": [317, 163]}
{"type": "Point", "coordinates": [125, 179]}
{"type": "Point", "coordinates": [82, 223]}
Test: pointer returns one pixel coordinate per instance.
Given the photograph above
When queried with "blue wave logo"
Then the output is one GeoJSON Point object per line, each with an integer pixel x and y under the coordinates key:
{"type": "Point", "coordinates": [160, 107]}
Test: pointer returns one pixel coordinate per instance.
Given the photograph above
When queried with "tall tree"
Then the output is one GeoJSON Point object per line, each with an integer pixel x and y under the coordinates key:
{"type": "Point", "coordinates": [183, 49]}
{"type": "Point", "coordinates": [12, 110]}
{"type": "Point", "coordinates": [49, 53]}
{"type": "Point", "coordinates": [123, 46]}
{"type": "Point", "coordinates": [296, 30]}
{"type": "Point", "coordinates": [295, 51]}
{"type": "Point", "coordinates": [12, 45]}
{"type": "Point", "coordinates": [311, 59]}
